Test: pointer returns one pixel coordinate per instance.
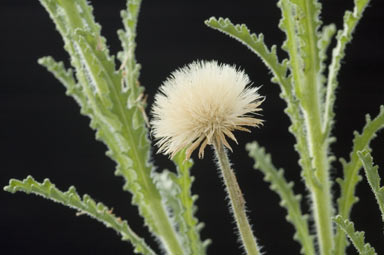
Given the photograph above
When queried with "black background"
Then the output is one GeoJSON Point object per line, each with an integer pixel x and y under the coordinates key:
{"type": "Point", "coordinates": [43, 134]}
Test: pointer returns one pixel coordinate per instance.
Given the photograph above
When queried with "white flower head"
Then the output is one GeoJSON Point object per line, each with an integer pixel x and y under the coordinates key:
{"type": "Point", "coordinates": [202, 103]}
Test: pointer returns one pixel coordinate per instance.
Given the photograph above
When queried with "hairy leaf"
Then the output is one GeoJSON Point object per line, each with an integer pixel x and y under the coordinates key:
{"type": "Point", "coordinates": [300, 23]}
{"type": "Point", "coordinates": [289, 200]}
{"type": "Point", "coordinates": [85, 205]}
{"type": "Point", "coordinates": [344, 36]}
{"type": "Point", "coordinates": [256, 44]}
{"type": "Point", "coordinates": [351, 173]}
{"type": "Point", "coordinates": [112, 103]}
{"type": "Point", "coordinates": [184, 181]}
{"type": "Point", "coordinates": [373, 177]}
{"type": "Point", "coordinates": [100, 86]}
{"type": "Point", "coordinates": [129, 67]}
{"type": "Point", "coordinates": [356, 237]}
{"type": "Point", "coordinates": [292, 45]}
{"type": "Point", "coordinates": [176, 192]}
{"type": "Point", "coordinates": [279, 71]}
{"type": "Point", "coordinates": [325, 40]}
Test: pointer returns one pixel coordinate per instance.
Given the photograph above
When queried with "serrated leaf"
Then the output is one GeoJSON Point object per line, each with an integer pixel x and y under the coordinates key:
{"type": "Point", "coordinates": [289, 200]}
{"type": "Point", "coordinates": [98, 67]}
{"type": "Point", "coordinates": [373, 177]}
{"type": "Point", "coordinates": [187, 199]}
{"type": "Point", "coordinates": [129, 67]}
{"type": "Point", "coordinates": [119, 123]}
{"type": "Point", "coordinates": [356, 237]}
{"type": "Point", "coordinates": [344, 36]}
{"type": "Point", "coordinates": [176, 192]}
{"type": "Point", "coordinates": [256, 44]}
{"type": "Point", "coordinates": [279, 71]}
{"type": "Point", "coordinates": [86, 205]}
{"type": "Point", "coordinates": [351, 173]}
{"type": "Point", "coordinates": [292, 45]}
{"type": "Point", "coordinates": [325, 38]}
{"type": "Point", "coordinates": [300, 22]}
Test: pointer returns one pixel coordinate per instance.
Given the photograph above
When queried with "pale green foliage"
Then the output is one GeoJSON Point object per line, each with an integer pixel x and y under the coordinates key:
{"type": "Point", "coordinates": [310, 101]}
{"type": "Point", "coordinates": [112, 98]}
{"type": "Point", "coordinates": [101, 97]}
{"type": "Point", "coordinates": [279, 71]}
{"type": "Point", "coordinates": [176, 190]}
{"type": "Point", "coordinates": [256, 44]}
{"type": "Point", "coordinates": [85, 205]}
{"type": "Point", "coordinates": [289, 200]}
{"type": "Point", "coordinates": [373, 177]}
{"type": "Point", "coordinates": [344, 36]}
{"type": "Point", "coordinates": [351, 172]}
{"type": "Point", "coordinates": [356, 237]}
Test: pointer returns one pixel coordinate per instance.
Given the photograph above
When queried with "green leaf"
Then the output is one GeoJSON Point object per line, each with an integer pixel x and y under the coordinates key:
{"type": "Point", "coordinates": [176, 192]}
{"type": "Point", "coordinates": [129, 67]}
{"type": "Point", "coordinates": [279, 70]}
{"type": "Point", "coordinates": [292, 45]}
{"type": "Point", "coordinates": [300, 22]}
{"type": "Point", "coordinates": [351, 173]}
{"type": "Point", "coordinates": [256, 44]}
{"type": "Point", "coordinates": [184, 181]}
{"type": "Point", "coordinates": [344, 36]}
{"type": "Point", "coordinates": [116, 113]}
{"type": "Point", "coordinates": [325, 40]}
{"type": "Point", "coordinates": [289, 200]}
{"type": "Point", "coordinates": [373, 177]}
{"type": "Point", "coordinates": [356, 237]}
{"type": "Point", "coordinates": [85, 205]}
{"type": "Point", "coordinates": [169, 191]}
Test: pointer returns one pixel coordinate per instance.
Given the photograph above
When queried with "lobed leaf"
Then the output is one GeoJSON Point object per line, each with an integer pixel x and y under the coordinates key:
{"type": "Point", "coordinates": [85, 205]}
{"type": "Point", "coordinates": [373, 177]}
{"type": "Point", "coordinates": [256, 44]}
{"type": "Point", "coordinates": [279, 70]}
{"type": "Point", "coordinates": [129, 67]}
{"type": "Point", "coordinates": [344, 36]}
{"type": "Point", "coordinates": [351, 173]}
{"type": "Point", "coordinates": [289, 200]}
{"type": "Point", "coordinates": [184, 181]}
{"type": "Point", "coordinates": [301, 23]}
{"type": "Point", "coordinates": [176, 192]}
{"type": "Point", "coordinates": [293, 44]}
{"type": "Point", "coordinates": [325, 39]}
{"type": "Point", "coordinates": [116, 113]}
{"type": "Point", "coordinates": [356, 237]}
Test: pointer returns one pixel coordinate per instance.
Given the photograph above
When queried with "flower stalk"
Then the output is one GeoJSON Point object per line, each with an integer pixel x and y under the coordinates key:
{"type": "Point", "coordinates": [237, 201]}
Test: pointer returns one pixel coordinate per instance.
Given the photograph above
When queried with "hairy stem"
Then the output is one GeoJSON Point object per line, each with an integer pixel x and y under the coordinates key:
{"type": "Point", "coordinates": [237, 201]}
{"type": "Point", "coordinates": [312, 109]}
{"type": "Point", "coordinates": [321, 192]}
{"type": "Point", "coordinates": [321, 195]}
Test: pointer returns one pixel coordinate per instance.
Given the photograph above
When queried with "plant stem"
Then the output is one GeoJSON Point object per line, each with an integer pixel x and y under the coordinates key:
{"type": "Point", "coordinates": [317, 145]}
{"type": "Point", "coordinates": [321, 189]}
{"type": "Point", "coordinates": [166, 233]}
{"type": "Point", "coordinates": [162, 225]}
{"type": "Point", "coordinates": [237, 201]}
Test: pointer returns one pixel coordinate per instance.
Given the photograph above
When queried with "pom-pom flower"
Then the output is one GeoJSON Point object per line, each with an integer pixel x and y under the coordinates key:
{"type": "Point", "coordinates": [201, 104]}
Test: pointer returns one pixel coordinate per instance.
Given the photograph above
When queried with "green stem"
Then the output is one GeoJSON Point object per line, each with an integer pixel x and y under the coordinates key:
{"type": "Point", "coordinates": [321, 195]}
{"type": "Point", "coordinates": [237, 201]}
{"type": "Point", "coordinates": [318, 148]}
{"type": "Point", "coordinates": [166, 232]}
{"type": "Point", "coordinates": [162, 224]}
{"type": "Point", "coordinates": [320, 192]}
